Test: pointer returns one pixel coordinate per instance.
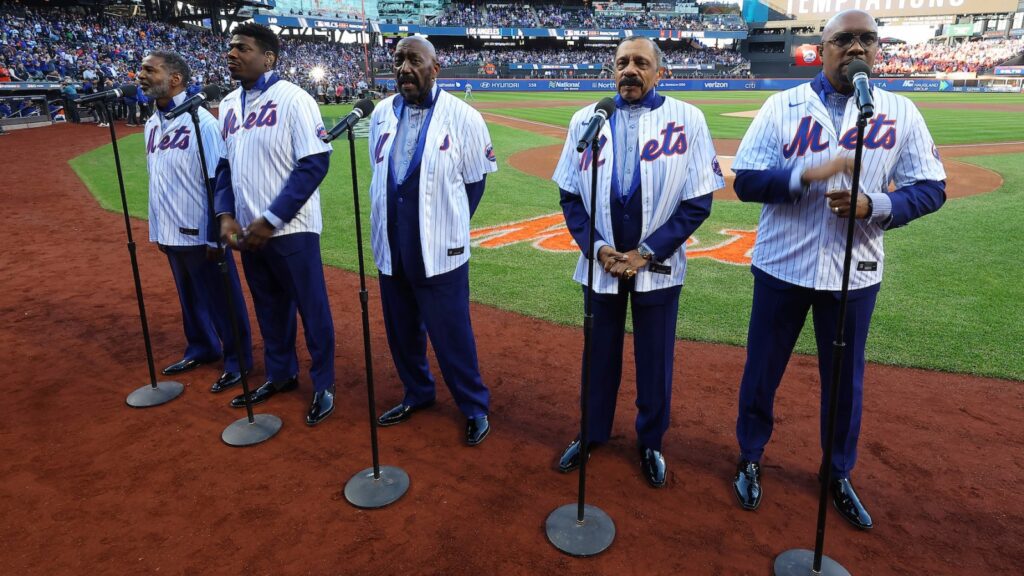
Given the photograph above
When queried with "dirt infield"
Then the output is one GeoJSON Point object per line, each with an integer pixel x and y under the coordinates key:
{"type": "Point", "coordinates": [90, 486]}
{"type": "Point", "coordinates": [963, 179]}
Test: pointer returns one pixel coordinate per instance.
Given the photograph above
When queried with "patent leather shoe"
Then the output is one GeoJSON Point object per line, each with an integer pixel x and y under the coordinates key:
{"type": "Point", "coordinates": [181, 366]}
{"type": "Point", "coordinates": [570, 459]}
{"type": "Point", "coordinates": [747, 484]}
{"type": "Point", "coordinates": [849, 505]}
{"type": "Point", "coordinates": [266, 392]}
{"type": "Point", "coordinates": [400, 413]}
{"type": "Point", "coordinates": [322, 406]}
{"type": "Point", "coordinates": [652, 464]}
{"type": "Point", "coordinates": [476, 430]}
{"type": "Point", "coordinates": [226, 380]}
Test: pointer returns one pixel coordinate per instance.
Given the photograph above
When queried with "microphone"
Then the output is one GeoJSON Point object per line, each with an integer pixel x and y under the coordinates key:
{"type": "Point", "coordinates": [858, 73]}
{"type": "Point", "coordinates": [605, 108]}
{"type": "Point", "coordinates": [211, 92]}
{"type": "Point", "coordinates": [362, 109]}
{"type": "Point", "coordinates": [112, 94]}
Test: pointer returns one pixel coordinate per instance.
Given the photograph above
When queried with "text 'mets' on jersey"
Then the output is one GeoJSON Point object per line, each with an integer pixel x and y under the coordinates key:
{"type": "Point", "coordinates": [178, 202]}
{"type": "Point", "coordinates": [457, 151]}
{"type": "Point", "coordinates": [677, 163]}
{"type": "Point", "coordinates": [277, 128]}
{"type": "Point", "coordinates": [803, 243]}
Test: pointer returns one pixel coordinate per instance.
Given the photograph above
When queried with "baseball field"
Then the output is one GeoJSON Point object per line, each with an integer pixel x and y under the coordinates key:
{"type": "Point", "coordinates": [89, 485]}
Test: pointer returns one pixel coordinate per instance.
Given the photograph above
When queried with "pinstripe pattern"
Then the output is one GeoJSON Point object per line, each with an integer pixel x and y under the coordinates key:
{"type": "Point", "coordinates": [457, 151]}
{"type": "Point", "coordinates": [177, 193]}
{"type": "Point", "coordinates": [264, 142]}
{"type": "Point", "coordinates": [803, 243]}
{"type": "Point", "coordinates": [665, 181]}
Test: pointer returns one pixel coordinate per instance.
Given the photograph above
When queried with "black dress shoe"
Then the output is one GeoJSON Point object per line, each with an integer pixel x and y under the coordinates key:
{"type": "Point", "coordinates": [183, 365]}
{"type": "Point", "coordinates": [570, 459]}
{"type": "Point", "coordinates": [322, 406]}
{"type": "Point", "coordinates": [226, 380]}
{"type": "Point", "coordinates": [400, 413]}
{"type": "Point", "coordinates": [747, 484]}
{"type": "Point", "coordinates": [652, 464]}
{"type": "Point", "coordinates": [848, 504]}
{"type": "Point", "coordinates": [476, 430]}
{"type": "Point", "coordinates": [265, 392]}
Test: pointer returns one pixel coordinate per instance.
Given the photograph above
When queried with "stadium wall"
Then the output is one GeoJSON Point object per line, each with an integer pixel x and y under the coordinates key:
{"type": "Point", "coordinates": [704, 85]}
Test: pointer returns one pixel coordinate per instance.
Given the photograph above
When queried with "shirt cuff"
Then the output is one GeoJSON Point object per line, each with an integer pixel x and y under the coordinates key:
{"type": "Point", "coordinates": [598, 245]}
{"type": "Point", "coordinates": [881, 207]}
{"type": "Point", "coordinates": [276, 222]}
{"type": "Point", "coordinates": [796, 187]}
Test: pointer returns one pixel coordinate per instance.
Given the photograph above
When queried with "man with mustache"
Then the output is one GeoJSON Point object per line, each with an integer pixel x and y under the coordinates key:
{"type": "Point", "coordinates": [657, 171]}
{"type": "Point", "coordinates": [268, 203]}
{"type": "Point", "coordinates": [180, 223]}
{"type": "Point", "coordinates": [796, 159]}
{"type": "Point", "coordinates": [430, 154]}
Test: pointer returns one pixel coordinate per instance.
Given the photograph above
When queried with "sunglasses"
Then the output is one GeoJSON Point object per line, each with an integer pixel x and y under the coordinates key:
{"type": "Point", "coordinates": [845, 39]}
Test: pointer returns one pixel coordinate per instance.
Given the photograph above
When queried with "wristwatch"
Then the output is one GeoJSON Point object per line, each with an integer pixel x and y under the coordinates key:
{"type": "Point", "coordinates": [645, 252]}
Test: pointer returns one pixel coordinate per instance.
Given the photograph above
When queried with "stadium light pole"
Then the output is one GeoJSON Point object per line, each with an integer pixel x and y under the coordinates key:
{"type": "Point", "coordinates": [156, 393]}
{"type": "Point", "coordinates": [254, 428]}
{"type": "Point", "coordinates": [800, 561]}
{"type": "Point", "coordinates": [581, 529]}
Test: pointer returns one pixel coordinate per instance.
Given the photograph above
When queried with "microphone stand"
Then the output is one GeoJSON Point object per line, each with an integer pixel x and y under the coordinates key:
{"type": "Point", "coordinates": [377, 486]}
{"type": "Point", "coordinates": [254, 428]}
{"type": "Point", "coordinates": [800, 561]}
{"type": "Point", "coordinates": [156, 393]}
{"type": "Point", "coordinates": [582, 529]}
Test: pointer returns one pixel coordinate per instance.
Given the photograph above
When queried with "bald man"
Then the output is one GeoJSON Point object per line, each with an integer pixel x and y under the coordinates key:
{"type": "Point", "coordinates": [430, 154]}
{"type": "Point", "coordinates": [796, 159]}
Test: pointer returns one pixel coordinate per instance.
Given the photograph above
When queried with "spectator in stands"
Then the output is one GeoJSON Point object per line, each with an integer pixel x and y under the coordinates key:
{"type": "Point", "coordinates": [69, 93]}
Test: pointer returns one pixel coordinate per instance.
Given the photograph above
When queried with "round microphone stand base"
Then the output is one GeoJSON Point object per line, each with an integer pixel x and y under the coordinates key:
{"type": "Point", "coordinates": [581, 539]}
{"type": "Point", "coordinates": [241, 432]}
{"type": "Point", "coordinates": [148, 396]}
{"type": "Point", "coordinates": [800, 562]}
{"type": "Point", "coordinates": [365, 491]}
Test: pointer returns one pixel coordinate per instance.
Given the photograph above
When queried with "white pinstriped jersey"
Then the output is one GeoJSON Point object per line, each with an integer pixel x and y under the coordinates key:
{"type": "Point", "coordinates": [457, 151]}
{"type": "Point", "coordinates": [803, 243]}
{"type": "Point", "coordinates": [278, 127]}
{"type": "Point", "coordinates": [178, 204]}
{"type": "Point", "coordinates": [677, 163]}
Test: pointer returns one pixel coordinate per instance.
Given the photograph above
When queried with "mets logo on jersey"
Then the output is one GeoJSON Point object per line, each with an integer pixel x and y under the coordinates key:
{"type": "Point", "coordinates": [321, 132]}
{"type": "Point", "coordinates": [446, 144]}
{"type": "Point", "coordinates": [881, 134]}
{"type": "Point", "coordinates": [588, 155]}
{"type": "Point", "coordinates": [266, 116]}
{"type": "Point", "coordinates": [673, 141]}
{"type": "Point", "coordinates": [378, 150]}
{"type": "Point", "coordinates": [489, 152]}
{"type": "Point", "coordinates": [715, 166]}
{"type": "Point", "coordinates": [177, 140]}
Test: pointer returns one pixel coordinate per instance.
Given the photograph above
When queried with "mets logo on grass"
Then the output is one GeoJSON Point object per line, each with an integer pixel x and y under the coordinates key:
{"type": "Point", "coordinates": [549, 233]}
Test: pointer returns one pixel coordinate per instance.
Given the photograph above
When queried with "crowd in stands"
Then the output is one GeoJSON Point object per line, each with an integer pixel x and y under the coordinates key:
{"type": "Point", "coordinates": [929, 57]}
{"type": "Point", "coordinates": [558, 16]}
{"type": "Point", "coordinates": [504, 56]}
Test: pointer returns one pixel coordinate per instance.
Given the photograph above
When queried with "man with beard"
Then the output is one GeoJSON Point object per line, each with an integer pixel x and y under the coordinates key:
{"type": "Point", "coordinates": [180, 223]}
{"type": "Point", "coordinates": [657, 171]}
{"type": "Point", "coordinates": [795, 159]}
{"type": "Point", "coordinates": [430, 154]}
{"type": "Point", "coordinates": [269, 207]}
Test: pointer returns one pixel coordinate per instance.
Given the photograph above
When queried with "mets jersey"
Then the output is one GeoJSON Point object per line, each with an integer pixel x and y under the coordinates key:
{"type": "Point", "coordinates": [266, 132]}
{"type": "Point", "coordinates": [456, 151]}
{"type": "Point", "coordinates": [677, 163]}
{"type": "Point", "coordinates": [178, 202]}
{"type": "Point", "coordinates": [803, 242]}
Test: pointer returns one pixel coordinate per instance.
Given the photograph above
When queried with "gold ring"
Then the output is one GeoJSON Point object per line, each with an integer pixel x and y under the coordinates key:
{"type": "Point", "coordinates": [835, 209]}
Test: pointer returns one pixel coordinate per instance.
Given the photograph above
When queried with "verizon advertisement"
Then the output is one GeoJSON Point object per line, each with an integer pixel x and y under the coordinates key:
{"type": "Point", "coordinates": [824, 9]}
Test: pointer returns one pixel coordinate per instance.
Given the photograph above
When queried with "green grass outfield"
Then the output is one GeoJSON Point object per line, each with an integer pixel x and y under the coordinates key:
{"type": "Point", "coordinates": [952, 294]}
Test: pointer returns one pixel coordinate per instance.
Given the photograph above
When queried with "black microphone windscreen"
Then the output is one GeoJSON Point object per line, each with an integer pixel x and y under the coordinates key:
{"type": "Point", "coordinates": [365, 107]}
{"type": "Point", "coordinates": [212, 92]}
{"type": "Point", "coordinates": [128, 90]}
{"type": "Point", "coordinates": [606, 105]}
{"type": "Point", "coordinates": [856, 67]}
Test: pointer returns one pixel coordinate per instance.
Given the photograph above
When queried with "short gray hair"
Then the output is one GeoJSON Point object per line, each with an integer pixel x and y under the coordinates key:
{"type": "Point", "coordinates": [174, 64]}
{"type": "Point", "coordinates": [658, 54]}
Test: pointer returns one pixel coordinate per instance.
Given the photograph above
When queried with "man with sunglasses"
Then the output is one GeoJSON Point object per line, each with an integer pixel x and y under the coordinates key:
{"type": "Point", "coordinates": [796, 158]}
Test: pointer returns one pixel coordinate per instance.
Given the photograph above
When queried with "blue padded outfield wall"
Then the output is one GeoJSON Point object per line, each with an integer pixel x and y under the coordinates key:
{"type": "Point", "coordinates": [697, 85]}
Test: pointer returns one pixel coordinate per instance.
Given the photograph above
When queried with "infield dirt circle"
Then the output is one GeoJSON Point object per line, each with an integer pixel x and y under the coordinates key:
{"type": "Point", "coordinates": [90, 486]}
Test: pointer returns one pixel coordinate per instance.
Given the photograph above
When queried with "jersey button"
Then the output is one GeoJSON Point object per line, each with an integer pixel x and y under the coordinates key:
{"type": "Point", "coordinates": [401, 200]}
{"type": "Point", "coordinates": [625, 217]}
